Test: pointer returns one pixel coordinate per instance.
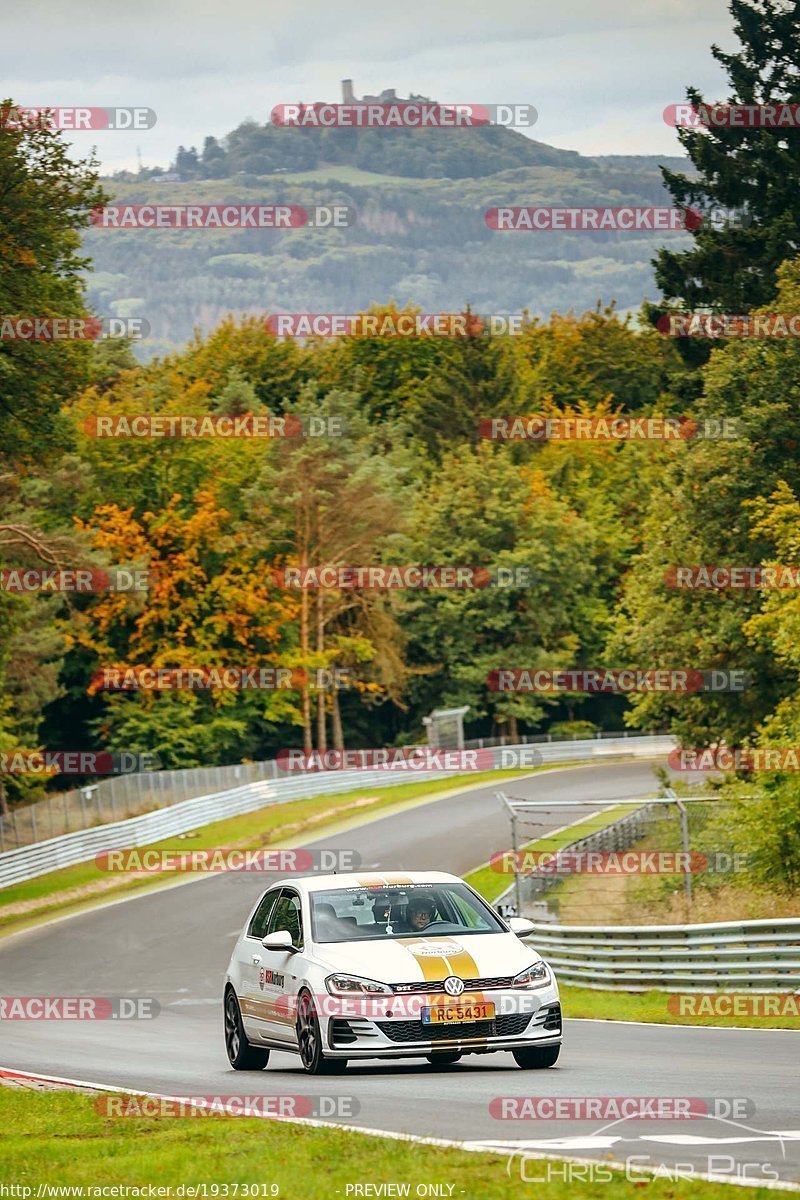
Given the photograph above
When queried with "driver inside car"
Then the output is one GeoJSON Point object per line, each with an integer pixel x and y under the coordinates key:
{"type": "Point", "coordinates": [420, 912]}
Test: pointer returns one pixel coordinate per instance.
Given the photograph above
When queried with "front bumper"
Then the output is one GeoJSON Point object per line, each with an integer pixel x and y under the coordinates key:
{"type": "Point", "coordinates": [388, 1036]}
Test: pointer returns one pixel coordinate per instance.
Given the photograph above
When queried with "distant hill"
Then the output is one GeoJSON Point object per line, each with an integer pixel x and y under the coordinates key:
{"type": "Point", "coordinates": [420, 235]}
{"type": "Point", "coordinates": [429, 153]}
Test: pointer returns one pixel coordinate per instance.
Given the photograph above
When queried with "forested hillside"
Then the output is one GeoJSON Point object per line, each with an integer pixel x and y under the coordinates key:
{"type": "Point", "coordinates": [419, 236]}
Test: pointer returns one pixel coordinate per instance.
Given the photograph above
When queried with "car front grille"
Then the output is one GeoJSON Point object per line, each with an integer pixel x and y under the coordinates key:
{"type": "Point", "coordinates": [508, 1025]}
{"type": "Point", "coordinates": [470, 985]}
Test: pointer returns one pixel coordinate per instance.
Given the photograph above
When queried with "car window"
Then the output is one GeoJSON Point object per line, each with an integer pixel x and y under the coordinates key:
{"type": "Point", "coordinates": [260, 921]}
{"type": "Point", "coordinates": [341, 914]}
{"type": "Point", "coordinates": [287, 915]}
{"type": "Point", "coordinates": [466, 914]}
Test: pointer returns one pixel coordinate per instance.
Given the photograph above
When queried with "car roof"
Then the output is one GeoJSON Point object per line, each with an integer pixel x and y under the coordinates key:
{"type": "Point", "coordinates": [370, 879]}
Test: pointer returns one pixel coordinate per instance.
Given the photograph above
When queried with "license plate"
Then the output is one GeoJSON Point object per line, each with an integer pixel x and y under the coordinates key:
{"type": "Point", "coordinates": [439, 1014]}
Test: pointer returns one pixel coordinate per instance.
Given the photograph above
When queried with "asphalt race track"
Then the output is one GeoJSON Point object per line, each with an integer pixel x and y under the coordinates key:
{"type": "Point", "coordinates": [174, 945]}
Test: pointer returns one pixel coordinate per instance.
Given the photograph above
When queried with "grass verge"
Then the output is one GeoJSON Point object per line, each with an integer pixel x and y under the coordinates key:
{"type": "Point", "coordinates": [660, 899]}
{"type": "Point", "coordinates": [595, 1004]}
{"type": "Point", "coordinates": [58, 1138]}
{"type": "Point", "coordinates": [491, 883]}
{"type": "Point", "coordinates": [653, 1007]}
{"type": "Point", "coordinates": [84, 884]}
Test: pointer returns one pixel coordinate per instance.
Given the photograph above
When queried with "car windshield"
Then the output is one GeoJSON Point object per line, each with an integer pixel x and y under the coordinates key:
{"type": "Point", "coordinates": [426, 910]}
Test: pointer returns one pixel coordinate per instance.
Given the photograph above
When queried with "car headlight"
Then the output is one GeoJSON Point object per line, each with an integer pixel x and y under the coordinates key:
{"type": "Point", "coordinates": [535, 976]}
{"type": "Point", "coordinates": [354, 985]}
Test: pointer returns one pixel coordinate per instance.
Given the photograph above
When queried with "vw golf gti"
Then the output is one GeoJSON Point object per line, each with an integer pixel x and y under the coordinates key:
{"type": "Point", "coordinates": [340, 967]}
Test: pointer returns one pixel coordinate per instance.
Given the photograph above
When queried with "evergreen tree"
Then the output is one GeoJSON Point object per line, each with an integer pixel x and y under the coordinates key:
{"type": "Point", "coordinates": [753, 171]}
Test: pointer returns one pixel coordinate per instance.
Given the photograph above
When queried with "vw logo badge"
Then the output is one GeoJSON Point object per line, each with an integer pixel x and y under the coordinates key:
{"type": "Point", "coordinates": [453, 985]}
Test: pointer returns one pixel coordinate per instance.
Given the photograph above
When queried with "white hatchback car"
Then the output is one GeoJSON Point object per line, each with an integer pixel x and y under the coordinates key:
{"type": "Point", "coordinates": [338, 967]}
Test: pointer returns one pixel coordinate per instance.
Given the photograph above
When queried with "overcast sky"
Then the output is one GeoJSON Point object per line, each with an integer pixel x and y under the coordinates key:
{"type": "Point", "coordinates": [600, 74]}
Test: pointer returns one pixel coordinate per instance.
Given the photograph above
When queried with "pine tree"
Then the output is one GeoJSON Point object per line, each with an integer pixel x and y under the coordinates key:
{"type": "Point", "coordinates": [754, 171]}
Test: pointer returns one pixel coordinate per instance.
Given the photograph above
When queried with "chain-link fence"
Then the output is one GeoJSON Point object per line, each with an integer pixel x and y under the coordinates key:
{"type": "Point", "coordinates": [664, 861]}
{"type": "Point", "coordinates": [533, 739]}
{"type": "Point", "coordinates": [120, 797]}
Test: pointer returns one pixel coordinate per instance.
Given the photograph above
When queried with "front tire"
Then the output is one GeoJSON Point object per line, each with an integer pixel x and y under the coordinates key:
{"type": "Point", "coordinates": [241, 1055]}
{"type": "Point", "coordinates": [533, 1058]}
{"type": "Point", "coordinates": [309, 1041]}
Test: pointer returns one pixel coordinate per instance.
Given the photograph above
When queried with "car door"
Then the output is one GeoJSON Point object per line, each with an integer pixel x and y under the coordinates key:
{"type": "Point", "coordinates": [248, 961]}
{"type": "Point", "coordinates": [278, 971]}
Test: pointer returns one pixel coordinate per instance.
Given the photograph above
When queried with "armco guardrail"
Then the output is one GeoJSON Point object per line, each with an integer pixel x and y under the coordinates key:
{"type": "Point", "coordinates": [734, 955]}
{"type": "Point", "coordinates": [37, 859]}
{"type": "Point", "coordinates": [119, 797]}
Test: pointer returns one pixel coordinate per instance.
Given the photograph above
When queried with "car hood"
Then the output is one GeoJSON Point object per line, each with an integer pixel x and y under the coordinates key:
{"type": "Point", "coordinates": [421, 959]}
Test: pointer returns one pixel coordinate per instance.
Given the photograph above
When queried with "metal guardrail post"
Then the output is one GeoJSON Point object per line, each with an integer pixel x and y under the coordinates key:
{"type": "Point", "coordinates": [683, 814]}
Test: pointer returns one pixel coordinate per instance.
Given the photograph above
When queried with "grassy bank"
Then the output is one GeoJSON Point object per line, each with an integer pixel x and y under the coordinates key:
{"type": "Point", "coordinates": [661, 899]}
{"type": "Point", "coordinates": [58, 1138]}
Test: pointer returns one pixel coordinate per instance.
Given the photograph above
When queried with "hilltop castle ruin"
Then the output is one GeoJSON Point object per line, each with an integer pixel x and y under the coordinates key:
{"type": "Point", "coordinates": [387, 96]}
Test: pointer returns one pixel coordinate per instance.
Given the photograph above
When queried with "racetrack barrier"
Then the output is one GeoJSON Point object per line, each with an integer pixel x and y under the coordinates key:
{"type": "Point", "coordinates": [761, 956]}
{"type": "Point", "coordinates": [42, 856]}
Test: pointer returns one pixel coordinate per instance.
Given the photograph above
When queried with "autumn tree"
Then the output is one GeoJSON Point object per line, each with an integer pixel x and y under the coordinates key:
{"type": "Point", "coordinates": [329, 500]}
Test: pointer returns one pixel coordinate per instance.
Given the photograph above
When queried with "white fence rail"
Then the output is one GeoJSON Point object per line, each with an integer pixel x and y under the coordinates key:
{"type": "Point", "coordinates": [27, 862]}
{"type": "Point", "coordinates": [734, 955]}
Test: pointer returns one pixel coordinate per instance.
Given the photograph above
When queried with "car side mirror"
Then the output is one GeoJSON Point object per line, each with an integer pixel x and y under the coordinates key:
{"type": "Point", "coordinates": [521, 926]}
{"type": "Point", "coordinates": [281, 939]}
